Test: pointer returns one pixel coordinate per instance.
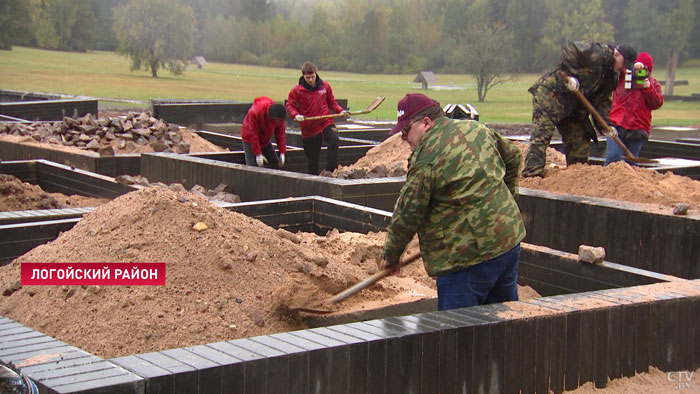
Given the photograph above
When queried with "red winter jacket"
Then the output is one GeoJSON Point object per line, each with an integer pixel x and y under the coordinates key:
{"type": "Point", "coordinates": [631, 108]}
{"type": "Point", "coordinates": [307, 101]}
{"type": "Point", "coordinates": [258, 127]}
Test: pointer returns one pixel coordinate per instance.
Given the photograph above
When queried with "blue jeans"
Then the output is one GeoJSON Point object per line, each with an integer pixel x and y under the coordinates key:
{"type": "Point", "coordinates": [615, 152]}
{"type": "Point", "coordinates": [268, 151]}
{"type": "Point", "coordinates": [488, 282]}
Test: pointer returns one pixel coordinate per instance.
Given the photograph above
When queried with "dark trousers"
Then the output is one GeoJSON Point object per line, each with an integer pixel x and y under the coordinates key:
{"type": "Point", "coordinates": [268, 151]}
{"type": "Point", "coordinates": [488, 282]}
{"type": "Point", "coordinates": [312, 149]}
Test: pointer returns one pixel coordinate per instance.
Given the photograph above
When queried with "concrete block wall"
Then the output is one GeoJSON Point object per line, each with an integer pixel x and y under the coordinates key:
{"type": "Point", "coordinates": [90, 161]}
{"type": "Point", "coordinates": [48, 109]}
{"type": "Point", "coordinates": [544, 345]}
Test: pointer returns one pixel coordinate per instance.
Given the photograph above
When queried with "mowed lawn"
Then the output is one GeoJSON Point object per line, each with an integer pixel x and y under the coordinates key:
{"type": "Point", "coordinates": [107, 75]}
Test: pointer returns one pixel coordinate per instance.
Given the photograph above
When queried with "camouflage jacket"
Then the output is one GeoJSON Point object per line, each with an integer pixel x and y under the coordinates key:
{"type": "Point", "coordinates": [458, 197]}
{"type": "Point", "coordinates": [592, 64]}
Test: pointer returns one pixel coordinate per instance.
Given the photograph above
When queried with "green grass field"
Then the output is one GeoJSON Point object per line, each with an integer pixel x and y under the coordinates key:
{"type": "Point", "coordinates": [107, 75]}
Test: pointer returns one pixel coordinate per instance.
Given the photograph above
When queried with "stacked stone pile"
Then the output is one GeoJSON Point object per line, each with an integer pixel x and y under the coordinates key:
{"type": "Point", "coordinates": [105, 134]}
{"type": "Point", "coordinates": [220, 193]}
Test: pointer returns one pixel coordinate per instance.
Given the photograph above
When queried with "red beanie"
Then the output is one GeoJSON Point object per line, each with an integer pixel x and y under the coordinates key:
{"type": "Point", "coordinates": [646, 59]}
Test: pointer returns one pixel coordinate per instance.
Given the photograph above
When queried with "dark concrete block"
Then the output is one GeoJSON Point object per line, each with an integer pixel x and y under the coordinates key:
{"type": "Point", "coordinates": [377, 374]}
{"type": "Point", "coordinates": [298, 341]}
{"type": "Point", "coordinates": [64, 361]}
{"type": "Point", "coordinates": [528, 355]}
{"type": "Point", "coordinates": [338, 336]}
{"type": "Point", "coordinates": [158, 380]}
{"type": "Point", "coordinates": [447, 359]}
{"type": "Point", "coordinates": [381, 332]}
{"type": "Point", "coordinates": [670, 353]}
{"type": "Point", "coordinates": [121, 384]}
{"type": "Point", "coordinates": [354, 332]}
{"type": "Point", "coordinates": [573, 350]}
{"type": "Point", "coordinates": [392, 329]}
{"type": "Point", "coordinates": [557, 353]}
{"type": "Point", "coordinates": [642, 339]}
{"type": "Point", "coordinates": [185, 377]}
{"type": "Point", "coordinates": [601, 341]}
{"type": "Point", "coordinates": [464, 360]}
{"type": "Point", "coordinates": [358, 368]}
{"type": "Point", "coordinates": [615, 340]}
{"type": "Point", "coordinates": [682, 337]}
{"type": "Point", "coordinates": [278, 375]}
{"type": "Point", "coordinates": [57, 353]}
{"type": "Point", "coordinates": [627, 344]}
{"type": "Point", "coordinates": [513, 360]}
{"type": "Point", "coordinates": [298, 373]}
{"type": "Point", "coordinates": [412, 362]}
{"type": "Point", "coordinates": [89, 378]}
{"type": "Point", "coordinates": [397, 372]}
{"type": "Point", "coordinates": [208, 372]}
{"type": "Point", "coordinates": [543, 327]}
{"type": "Point", "coordinates": [586, 350]}
{"type": "Point", "coordinates": [497, 357]}
{"type": "Point", "coordinates": [656, 340]}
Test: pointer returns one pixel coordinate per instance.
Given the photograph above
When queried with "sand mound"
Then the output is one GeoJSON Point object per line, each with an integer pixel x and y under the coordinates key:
{"type": "Point", "coordinates": [236, 279]}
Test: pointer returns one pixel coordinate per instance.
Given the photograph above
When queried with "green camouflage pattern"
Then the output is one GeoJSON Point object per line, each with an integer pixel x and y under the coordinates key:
{"type": "Point", "coordinates": [556, 108]}
{"type": "Point", "coordinates": [459, 198]}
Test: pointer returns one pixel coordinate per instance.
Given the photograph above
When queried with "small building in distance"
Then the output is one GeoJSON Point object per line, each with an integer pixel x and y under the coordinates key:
{"type": "Point", "coordinates": [199, 61]}
{"type": "Point", "coordinates": [426, 78]}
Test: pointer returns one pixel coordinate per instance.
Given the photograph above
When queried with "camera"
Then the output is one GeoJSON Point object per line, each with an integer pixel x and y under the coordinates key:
{"type": "Point", "coordinates": [634, 79]}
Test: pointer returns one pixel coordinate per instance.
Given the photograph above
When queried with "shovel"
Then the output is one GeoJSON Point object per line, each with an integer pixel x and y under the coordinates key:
{"type": "Point", "coordinates": [628, 155]}
{"type": "Point", "coordinates": [372, 279]}
{"type": "Point", "coordinates": [369, 109]}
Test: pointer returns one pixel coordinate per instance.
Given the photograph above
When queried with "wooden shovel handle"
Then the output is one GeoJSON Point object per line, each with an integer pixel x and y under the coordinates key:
{"type": "Point", "coordinates": [597, 116]}
{"type": "Point", "coordinates": [372, 279]}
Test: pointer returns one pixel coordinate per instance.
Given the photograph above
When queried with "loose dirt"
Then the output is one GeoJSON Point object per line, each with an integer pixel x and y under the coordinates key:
{"type": "Point", "coordinates": [16, 195]}
{"type": "Point", "coordinates": [618, 181]}
{"type": "Point", "coordinates": [238, 278]}
{"type": "Point", "coordinates": [654, 381]}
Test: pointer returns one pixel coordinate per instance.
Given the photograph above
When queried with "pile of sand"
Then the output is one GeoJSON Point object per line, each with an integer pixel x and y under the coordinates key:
{"type": "Point", "coordinates": [618, 181]}
{"type": "Point", "coordinates": [16, 195]}
{"type": "Point", "coordinates": [236, 279]}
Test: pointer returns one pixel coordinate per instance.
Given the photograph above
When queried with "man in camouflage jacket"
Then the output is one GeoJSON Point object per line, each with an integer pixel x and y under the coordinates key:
{"type": "Point", "coordinates": [459, 198]}
{"type": "Point", "coordinates": [594, 69]}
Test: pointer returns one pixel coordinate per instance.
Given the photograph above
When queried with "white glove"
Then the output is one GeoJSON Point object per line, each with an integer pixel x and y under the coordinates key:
{"type": "Point", "coordinates": [261, 160]}
{"type": "Point", "coordinates": [282, 160]}
{"type": "Point", "coordinates": [572, 84]}
{"type": "Point", "coordinates": [610, 132]}
{"type": "Point", "coordinates": [299, 118]}
{"type": "Point", "coordinates": [346, 114]}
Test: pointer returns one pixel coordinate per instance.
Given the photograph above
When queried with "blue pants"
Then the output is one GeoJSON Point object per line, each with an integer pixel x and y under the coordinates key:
{"type": "Point", "coordinates": [615, 152]}
{"type": "Point", "coordinates": [488, 282]}
{"type": "Point", "coordinates": [268, 151]}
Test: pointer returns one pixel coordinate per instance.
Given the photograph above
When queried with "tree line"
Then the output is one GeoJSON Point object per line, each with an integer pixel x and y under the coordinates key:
{"type": "Point", "coordinates": [372, 36]}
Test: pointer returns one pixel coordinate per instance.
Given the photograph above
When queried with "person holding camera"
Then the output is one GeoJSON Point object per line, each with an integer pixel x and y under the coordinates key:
{"type": "Point", "coordinates": [636, 95]}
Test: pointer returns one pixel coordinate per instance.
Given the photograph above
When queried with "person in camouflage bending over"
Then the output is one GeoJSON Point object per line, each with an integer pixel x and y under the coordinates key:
{"type": "Point", "coordinates": [594, 69]}
{"type": "Point", "coordinates": [459, 198]}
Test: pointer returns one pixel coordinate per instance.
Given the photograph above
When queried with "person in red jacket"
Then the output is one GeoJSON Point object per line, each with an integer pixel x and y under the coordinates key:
{"type": "Point", "coordinates": [314, 97]}
{"type": "Point", "coordinates": [264, 118]}
{"type": "Point", "coordinates": [631, 111]}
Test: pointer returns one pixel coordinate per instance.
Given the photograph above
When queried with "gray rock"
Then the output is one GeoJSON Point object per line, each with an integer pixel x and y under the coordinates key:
{"type": "Point", "coordinates": [591, 254]}
{"type": "Point", "coordinates": [681, 209]}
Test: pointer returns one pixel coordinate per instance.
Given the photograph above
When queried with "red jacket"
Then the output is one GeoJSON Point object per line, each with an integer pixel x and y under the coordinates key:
{"type": "Point", "coordinates": [631, 108]}
{"type": "Point", "coordinates": [258, 127]}
{"type": "Point", "coordinates": [307, 101]}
